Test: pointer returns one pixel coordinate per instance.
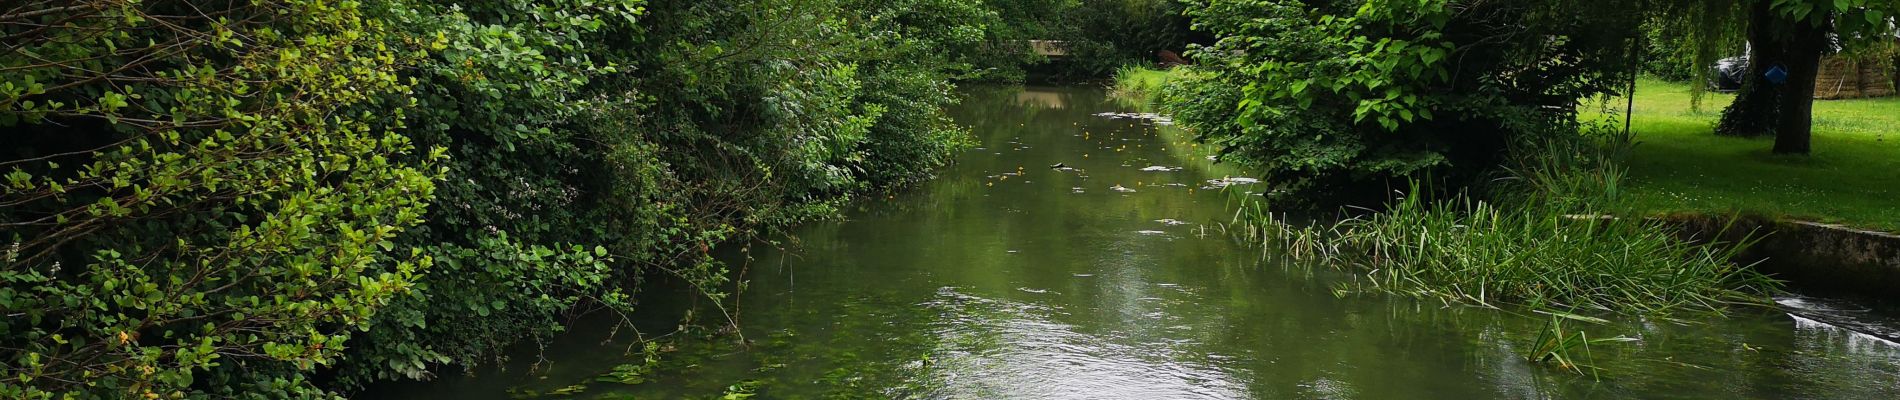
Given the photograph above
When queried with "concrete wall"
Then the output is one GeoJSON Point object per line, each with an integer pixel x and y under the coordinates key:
{"type": "Point", "coordinates": [1809, 254]}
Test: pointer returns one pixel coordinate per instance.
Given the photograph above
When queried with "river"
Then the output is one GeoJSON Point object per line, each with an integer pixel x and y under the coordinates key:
{"type": "Point", "coordinates": [1005, 278]}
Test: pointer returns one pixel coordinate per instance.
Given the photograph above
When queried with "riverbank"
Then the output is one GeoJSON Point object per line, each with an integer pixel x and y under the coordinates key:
{"type": "Point", "coordinates": [1110, 278]}
{"type": "Point", "coordinates": [1816, 257]}
{"type": "Point", "coordinates": [1679, 167]}
{"type": "Point", "coordinates": [1819, 221]}
{"type": "Point", "coordinates": [1511, 241]}
{"type": "Point", "coordinates": [301, 199]}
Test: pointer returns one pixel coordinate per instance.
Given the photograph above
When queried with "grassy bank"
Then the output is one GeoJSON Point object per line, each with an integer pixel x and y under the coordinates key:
{"type": "Point", "coordinates": [1142, 84]}
{"type": "Point", "coordinates": [1527, 246]}
{"type": "Point", "coordinates": [1679, 166]}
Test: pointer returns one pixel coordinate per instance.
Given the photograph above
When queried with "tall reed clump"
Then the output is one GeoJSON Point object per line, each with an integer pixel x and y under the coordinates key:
{"type": "Point", "coordinates": [1143, 84]}
{"type": "Point", "coordinates": [1539, 239]}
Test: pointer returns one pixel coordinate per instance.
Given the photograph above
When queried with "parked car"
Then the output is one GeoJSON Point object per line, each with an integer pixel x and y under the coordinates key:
{"type": "Point", "coordinates": [1727, 74]}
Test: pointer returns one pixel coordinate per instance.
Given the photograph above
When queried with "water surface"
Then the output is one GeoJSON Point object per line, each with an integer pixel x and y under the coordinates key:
{"type": "Point", "coordinates": [1006, 278]}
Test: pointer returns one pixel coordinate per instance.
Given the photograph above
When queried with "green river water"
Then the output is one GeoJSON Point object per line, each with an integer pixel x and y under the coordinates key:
{"type": "Point", "coordinates": [1006, 279]}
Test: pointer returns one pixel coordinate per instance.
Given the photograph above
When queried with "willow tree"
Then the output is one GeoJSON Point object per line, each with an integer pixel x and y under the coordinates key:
{"type": "Point", "coordinates": [1786, 40]}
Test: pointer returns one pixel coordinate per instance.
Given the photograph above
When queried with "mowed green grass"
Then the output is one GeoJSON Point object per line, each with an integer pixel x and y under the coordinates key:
{"type": "Point", "coordinates": [1680, 166]}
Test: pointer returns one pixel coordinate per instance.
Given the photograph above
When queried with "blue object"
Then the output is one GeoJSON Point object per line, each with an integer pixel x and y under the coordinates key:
{"type": "Point", "coordinates": [1776, 75]}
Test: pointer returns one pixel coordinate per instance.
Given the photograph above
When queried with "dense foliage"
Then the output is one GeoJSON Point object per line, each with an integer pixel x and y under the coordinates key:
{"type": "Point", "coordinates": [1098, 36]}
{"type": "Point", "coordinates": [1355, 93]}
{"type": "Point", "coordinates": [1666, 57]}
{"type": "Point", "coordinates": [233, 199]}
{"type": "Point", "coordinates": [1104, 36]}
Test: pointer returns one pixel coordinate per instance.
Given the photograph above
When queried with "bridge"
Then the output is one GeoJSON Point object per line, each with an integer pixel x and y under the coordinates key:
{"type": "Point", "coordinates": [1049, 48]}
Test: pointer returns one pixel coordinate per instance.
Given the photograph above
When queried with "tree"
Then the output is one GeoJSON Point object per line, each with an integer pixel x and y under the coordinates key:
{"type": "Point", "coordinates": [288, 198]}
{"type": "Point", "coordinates": [1787, 39]}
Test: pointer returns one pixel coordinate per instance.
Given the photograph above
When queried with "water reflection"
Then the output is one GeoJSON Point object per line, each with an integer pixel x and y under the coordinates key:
{"type": "Point", "coordinates": [1043, 98]}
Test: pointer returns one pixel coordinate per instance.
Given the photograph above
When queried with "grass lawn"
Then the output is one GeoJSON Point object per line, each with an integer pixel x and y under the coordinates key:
{"type": "Point", "coordinates": [1852, 178]}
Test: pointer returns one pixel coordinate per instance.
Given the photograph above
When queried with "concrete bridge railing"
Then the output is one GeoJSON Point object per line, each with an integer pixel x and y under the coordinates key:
{"type": "Point", "coordinates": [1049, 48]}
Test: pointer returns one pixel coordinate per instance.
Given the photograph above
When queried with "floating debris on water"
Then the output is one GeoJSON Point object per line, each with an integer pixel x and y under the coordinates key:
{"type": "Point", "coordinates": [1156, 119]}
{"type": "Point", "coordinates": [1171, 222]}
{"type": "Point", "coordinates": [1229, 181]}
{"type": "Point", "coordinates": [1120, 188]}
{"type": "Point", "coordinates": [1160, 168]}
{"type": "Point", "coordinates": [1151, 232]}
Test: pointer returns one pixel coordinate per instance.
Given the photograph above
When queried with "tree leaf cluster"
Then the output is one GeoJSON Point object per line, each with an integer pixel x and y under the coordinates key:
{"type": "Point", "coordinates": [292, 198]}
{"type": "Point", "coordinates": [1354, 95]}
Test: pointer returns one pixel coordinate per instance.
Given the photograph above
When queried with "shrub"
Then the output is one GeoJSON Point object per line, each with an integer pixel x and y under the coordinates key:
{"type": "Point", "coordinates": [200, 204]}
{"type": "Point", "coordinates": [1356, 96]}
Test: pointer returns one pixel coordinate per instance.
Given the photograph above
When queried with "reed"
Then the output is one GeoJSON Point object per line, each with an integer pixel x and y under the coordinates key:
{"type": "Point", "coordinates": [1567, 348]}
{"type": "Point", "coordinates": [1541, 241]}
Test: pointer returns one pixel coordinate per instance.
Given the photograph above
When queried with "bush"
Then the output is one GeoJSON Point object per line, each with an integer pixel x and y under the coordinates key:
{"type": "Point", "coordinates": [200, 205]}
{"type": "Point", "coordinates": [1357, 96]}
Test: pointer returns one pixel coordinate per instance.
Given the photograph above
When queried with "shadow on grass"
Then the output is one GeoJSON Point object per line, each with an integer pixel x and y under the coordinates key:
{"type": "Point", "coordinates": [1681, 166]}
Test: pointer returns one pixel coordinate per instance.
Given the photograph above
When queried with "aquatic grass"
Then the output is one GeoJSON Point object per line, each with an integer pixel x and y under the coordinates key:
{"type": "Point", "coordinates": [1475, 251]}
{"type": "Point", "coordinates": [1539, 243]}
{"type": "Point", "coordinates": [1569, 349]}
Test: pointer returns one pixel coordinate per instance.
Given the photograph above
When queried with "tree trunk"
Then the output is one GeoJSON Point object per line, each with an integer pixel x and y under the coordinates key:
{"type": "Point", "coordinates": [1754, 111]}
{"type": "Point", "coordinates": [1785, 109]}
{"type": "Point", "coordinates": [1796, 123]}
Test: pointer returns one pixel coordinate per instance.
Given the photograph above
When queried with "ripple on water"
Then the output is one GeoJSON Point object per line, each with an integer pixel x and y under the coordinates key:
{"type": "Point", "coordinates": [994, 348]}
